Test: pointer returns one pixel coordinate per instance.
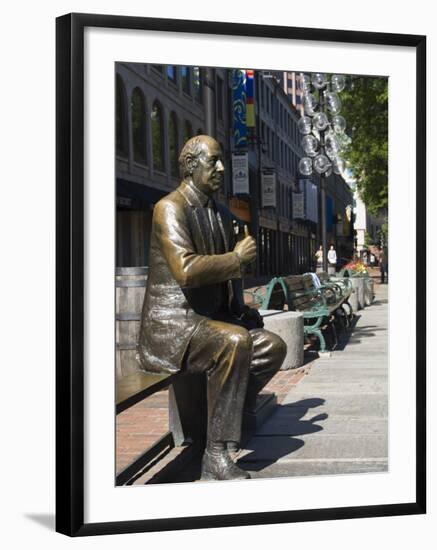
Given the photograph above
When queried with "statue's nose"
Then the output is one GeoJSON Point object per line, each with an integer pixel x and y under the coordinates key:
{"type": "Point", "coordinates": [220, 166]}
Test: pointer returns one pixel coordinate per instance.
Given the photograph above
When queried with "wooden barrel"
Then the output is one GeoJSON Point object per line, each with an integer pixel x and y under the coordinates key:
{"type": "Point", "coordinates": [130, 286]}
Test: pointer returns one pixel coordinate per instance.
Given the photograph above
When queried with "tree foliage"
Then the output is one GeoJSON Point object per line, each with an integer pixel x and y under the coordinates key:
{"type": "Point", "coordinates": [365, 108]}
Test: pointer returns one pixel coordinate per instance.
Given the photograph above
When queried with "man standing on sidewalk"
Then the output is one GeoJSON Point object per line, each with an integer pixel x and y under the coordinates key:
{"type": "Point", "coordinates": [383, 264]}
{"type": "Point", "coordinates": [194, 319]}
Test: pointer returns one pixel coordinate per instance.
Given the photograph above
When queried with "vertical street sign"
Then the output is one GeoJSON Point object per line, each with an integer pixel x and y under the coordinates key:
{"type": "Point", "coordinates": [240, 173]}
{"type": "Point", "coordinates": [268, 189]}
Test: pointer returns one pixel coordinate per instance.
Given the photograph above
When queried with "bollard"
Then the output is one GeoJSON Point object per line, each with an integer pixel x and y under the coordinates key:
{"type": "Point", "coordinates": [289, 326]}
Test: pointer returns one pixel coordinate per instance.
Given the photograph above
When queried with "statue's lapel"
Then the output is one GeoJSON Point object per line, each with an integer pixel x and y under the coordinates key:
{"type": "Point", "coordinates": [224, 227]}
{"type": "Point", "coordinates": [198, 221]}
{"type": "Point", "coordinates": [204, 231]}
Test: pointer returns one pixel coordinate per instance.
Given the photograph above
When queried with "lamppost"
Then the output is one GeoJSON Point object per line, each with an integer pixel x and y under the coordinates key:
{"type": "Point", "coordinates": [323, 130]}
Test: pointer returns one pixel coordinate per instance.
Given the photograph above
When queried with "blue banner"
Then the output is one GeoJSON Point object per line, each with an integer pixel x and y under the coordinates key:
{"type": "Point", "coordinates": [239, 108]}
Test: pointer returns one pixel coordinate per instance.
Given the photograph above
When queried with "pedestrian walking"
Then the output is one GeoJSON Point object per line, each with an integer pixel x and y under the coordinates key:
{"type": "Point", "coordinates": [319, 259]}
{"type": "Point", "coordinates": [332, 260]}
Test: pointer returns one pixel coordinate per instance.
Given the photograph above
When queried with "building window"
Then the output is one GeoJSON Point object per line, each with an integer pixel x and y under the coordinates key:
{"type": "Point", "coordinates": [172, 73]}
{"type": "Point", "coordinates": [188, 131]}
{"type": "Point", "coordinates": [219, 98]}
{"type": "Point", "coordinates": [199, 132]}
{"type": "Point", "coordinates": [121, 118]}
{"type": "Point", "coordinates": [157, 137]}
{"type": "Point", "coordinates": [173, 144]}
{"type": "Point", "coordinates": [158, 68]}
{"type": "Point", "coordinates": [138, 126]}
{"type": "Point", "coordinates": [197, 83]}
{"type": "Point", "coordinates": [185, 77]}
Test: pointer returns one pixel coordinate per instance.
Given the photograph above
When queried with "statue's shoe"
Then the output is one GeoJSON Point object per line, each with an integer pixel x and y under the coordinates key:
{"type": "Point", "coordinates": [220, 467]}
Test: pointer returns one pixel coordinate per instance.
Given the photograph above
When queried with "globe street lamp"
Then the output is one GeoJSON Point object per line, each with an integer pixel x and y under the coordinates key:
{"type": "Point", "coordinates": [323, 135]}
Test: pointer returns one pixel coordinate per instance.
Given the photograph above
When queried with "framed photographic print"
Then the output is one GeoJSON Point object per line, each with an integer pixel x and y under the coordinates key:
{"type": "Point", "coordinates": [232, 345]}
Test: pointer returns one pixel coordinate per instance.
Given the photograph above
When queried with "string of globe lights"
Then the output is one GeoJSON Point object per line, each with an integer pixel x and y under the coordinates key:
{"type": "Point", "coordinates": [322, 126]}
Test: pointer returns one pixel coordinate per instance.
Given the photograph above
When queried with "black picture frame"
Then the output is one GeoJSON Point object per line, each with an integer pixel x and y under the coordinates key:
{"type": "Point", "coordinates": [70, 273]}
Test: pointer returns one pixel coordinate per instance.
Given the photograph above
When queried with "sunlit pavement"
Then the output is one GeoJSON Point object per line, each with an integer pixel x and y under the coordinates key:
{"type": "Point", "coordinates": [335, 420]}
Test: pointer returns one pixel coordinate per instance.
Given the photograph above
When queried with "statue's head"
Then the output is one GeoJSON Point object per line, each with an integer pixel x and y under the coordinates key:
{"type": "Point", "coordinates": [201, 161]}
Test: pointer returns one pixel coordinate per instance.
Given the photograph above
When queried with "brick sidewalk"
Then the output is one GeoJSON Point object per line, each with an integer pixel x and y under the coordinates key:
{"type": "Point", "coordinates": [138, 427]}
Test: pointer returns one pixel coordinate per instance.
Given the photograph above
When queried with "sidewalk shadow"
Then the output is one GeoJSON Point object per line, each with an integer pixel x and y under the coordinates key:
{"type": "Point", "coordinates": [282, 440]}
{"type": "Point", "coordinates": [296, 427]}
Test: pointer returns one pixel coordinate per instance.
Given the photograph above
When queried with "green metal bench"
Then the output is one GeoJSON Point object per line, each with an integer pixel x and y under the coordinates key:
{"type": "Point", "coordinates": [319, 305]}
{"type": "Point", "coordinates": [343, 288]}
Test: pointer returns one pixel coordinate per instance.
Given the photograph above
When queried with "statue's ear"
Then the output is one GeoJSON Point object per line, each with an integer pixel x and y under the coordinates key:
{"type": "Point", "coordinates": [191, 163]}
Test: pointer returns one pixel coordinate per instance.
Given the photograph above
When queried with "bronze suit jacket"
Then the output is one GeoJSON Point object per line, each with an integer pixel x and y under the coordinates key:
{"type": "Point", "coordinates": [187, 277]}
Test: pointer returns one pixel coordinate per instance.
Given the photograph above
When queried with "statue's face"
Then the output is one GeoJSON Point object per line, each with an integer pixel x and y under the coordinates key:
{"type": "Point", "coordinates": [208, 173]}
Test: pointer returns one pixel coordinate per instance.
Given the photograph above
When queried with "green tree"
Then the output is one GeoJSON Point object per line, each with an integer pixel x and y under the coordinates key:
{"type": "Point", "coordinates": [365, 108]}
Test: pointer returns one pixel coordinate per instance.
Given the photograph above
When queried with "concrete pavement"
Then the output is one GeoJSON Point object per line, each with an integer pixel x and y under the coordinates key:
{"type": "Point", "coordinates": [335, 420]}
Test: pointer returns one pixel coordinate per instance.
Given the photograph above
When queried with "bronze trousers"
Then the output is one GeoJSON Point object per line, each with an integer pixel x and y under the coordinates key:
{"type": "Point", "coordinates": [238, 363]}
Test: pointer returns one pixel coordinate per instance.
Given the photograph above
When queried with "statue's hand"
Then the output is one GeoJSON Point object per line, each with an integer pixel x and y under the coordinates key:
{"type": "Point", "coordinates": [252, 318]}
{"type": "Point", "coordinates": [246, 250]}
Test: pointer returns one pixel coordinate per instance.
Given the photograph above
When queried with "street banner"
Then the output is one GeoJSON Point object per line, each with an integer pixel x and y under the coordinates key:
{"type": "Point", "coordinates": [250, 108]}
{"type": "Point", "coordinates": [298, 206]}
{"type": "Point", "coordinates": [239, 109]}
{"type": "Point", "coordinates": [240, 173]}
{"type": "Point", "coordinates": [268, 189]}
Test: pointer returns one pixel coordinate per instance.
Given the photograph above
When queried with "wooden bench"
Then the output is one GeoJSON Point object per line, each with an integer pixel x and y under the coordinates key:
{"type": "Point", "coordinates": [187, 420]}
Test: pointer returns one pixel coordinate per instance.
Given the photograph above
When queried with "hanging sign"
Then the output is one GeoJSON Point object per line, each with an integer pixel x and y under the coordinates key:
{"type": "Point", "coordinates": [240, 173]}
{"type": "Point", "coordinates": [268, 189]}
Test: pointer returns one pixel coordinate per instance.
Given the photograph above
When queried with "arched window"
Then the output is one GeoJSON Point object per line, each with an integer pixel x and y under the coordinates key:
{"type": "Point", "coordinates": [138, 125]}
{"type": "Point", "coordinates": [157, 137]}
{"type": "Point", "coordinates": [121, 119]}
{"type": "Point", "coordinates": [188, 131]}
{"type": "Point", "coordinates": [173, 144]}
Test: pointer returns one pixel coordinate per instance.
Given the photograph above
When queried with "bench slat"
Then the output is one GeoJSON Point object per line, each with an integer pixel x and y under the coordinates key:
{"type": "Point", "coordinates": [134, 387]}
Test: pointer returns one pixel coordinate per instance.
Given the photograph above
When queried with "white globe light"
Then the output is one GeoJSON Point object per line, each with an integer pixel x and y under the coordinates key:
{"type": "Point", "coordinates": [338, 82]}
{"type": "Point", "coordinates": [309, 104]}
{"type": "Point", "coordinates": [320, 121]}
{"type": "Point", "coordinates": [310, 145]}
{"type": "Point", "coordinates": [338, 124]}
{"type": "Point", "coordinates": [321, 164]}
{"type": "Point", "coordinates": [304, 125]}
{"type": "Point", "coordinates": [338, 166]}
{"type": "Point", "coordinates": [305, 82]}
{"type": "Point", "coordinates": [333, 102]}
{"type": "Point", "coordinates": [305, 166]}
{"type": "Point", "coordinates": [319, 80]}
{"type": "Point", "coordinates": [332, 146]}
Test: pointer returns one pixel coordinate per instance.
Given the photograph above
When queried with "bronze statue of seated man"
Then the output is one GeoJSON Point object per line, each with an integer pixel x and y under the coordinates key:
{"type": "Point", "coordinates": [194, 318]}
